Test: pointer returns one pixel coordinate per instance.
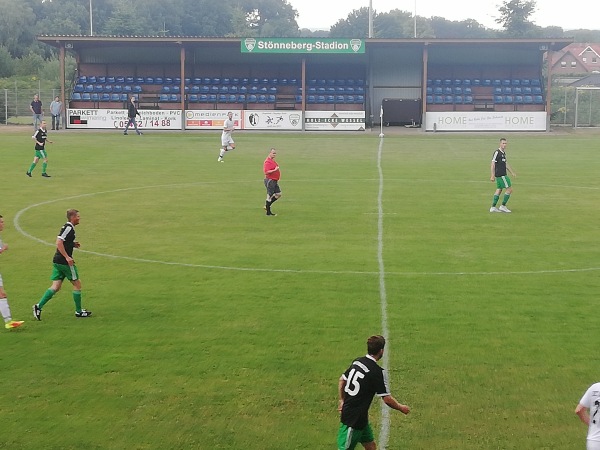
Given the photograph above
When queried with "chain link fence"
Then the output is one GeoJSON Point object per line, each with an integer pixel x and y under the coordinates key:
{"type": "Point", "coordinates": [572, 109]}
{"type": "Point", "coordinates": [15, 103]}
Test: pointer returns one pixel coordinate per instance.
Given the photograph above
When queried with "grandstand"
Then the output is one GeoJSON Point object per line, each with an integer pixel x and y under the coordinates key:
{"type": "Point", "coordinates": [417, 79]}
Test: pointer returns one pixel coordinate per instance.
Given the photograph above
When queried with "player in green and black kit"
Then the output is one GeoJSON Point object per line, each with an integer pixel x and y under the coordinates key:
{"type": "Point", "coordinates": [40, 137]}
{"type": "Point", "coordinates": [498, 174]}
{"type": "Point", "coordinates": [64, 267]}
{"type": "Point", "coordinates": [357, 386]}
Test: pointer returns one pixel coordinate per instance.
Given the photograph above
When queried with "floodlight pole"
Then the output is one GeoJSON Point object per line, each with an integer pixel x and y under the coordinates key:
{"type": "Point", "coordinates": [370, 19]}
{"type": "Point", "coordinates": [415, 19]}
{"type": "Point", "coordinates": [91, 20]}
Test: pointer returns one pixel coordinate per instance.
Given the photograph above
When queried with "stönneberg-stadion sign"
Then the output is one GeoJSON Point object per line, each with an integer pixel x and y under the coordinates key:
{"type": "Point", "coordinates": [302, 45]}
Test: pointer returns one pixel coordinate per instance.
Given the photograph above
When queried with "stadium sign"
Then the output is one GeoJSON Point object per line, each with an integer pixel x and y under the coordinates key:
{"type": "Point", "coordinates": [209, 119]}
{"type": "Point", "coordinates": [272, 120]}
{"type": "Point", "coordinates": [335, 120]}
{"type": "Point", "coordinates": [486, 121]}
{"type": "Point", "coordinates": [117, 118]}
{"type": "Point", "coordinates": [302, 45]}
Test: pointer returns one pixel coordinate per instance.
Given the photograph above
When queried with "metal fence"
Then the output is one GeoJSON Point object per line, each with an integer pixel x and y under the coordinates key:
{"type": "Point", "coordinates": [15, 104]}
{"type": "Point", "coordinates": [573, 110]}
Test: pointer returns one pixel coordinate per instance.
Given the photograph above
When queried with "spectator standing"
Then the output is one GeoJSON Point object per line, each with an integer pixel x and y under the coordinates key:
{"type": "Point", "coordinates": [56, 108]}
{"type": "Point", "coordinates": [37, 111]}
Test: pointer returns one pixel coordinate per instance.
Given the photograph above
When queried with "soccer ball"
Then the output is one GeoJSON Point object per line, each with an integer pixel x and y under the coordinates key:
{"type": "Point", "coordinates": [381, 135]}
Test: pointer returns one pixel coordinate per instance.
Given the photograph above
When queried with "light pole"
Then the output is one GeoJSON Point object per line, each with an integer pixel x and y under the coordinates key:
{"type": "Point", "coordinates": [370, 18]}
{"type": "Point", "coordinates": [91, 20]}
{"type": "Point", "coordinates": [415, 18]}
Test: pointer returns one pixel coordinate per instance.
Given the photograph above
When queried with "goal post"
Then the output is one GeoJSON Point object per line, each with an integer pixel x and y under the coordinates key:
{"type": "Point", "coordinates": [587, 107]}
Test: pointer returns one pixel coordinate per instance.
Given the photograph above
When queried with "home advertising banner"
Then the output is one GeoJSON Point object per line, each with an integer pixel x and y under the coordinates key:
{"type": "Point", "coordinates": [486, 121]}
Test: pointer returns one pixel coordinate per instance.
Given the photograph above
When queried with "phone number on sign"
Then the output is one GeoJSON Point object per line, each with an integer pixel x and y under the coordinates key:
{"type": "Point", "coordinates": [156, 123]}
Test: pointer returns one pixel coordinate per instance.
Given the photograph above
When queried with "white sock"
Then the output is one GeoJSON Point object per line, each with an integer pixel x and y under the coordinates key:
{"type": "Point", "coordinates": [5, 309]}
{"type": "Point", "coordinates": [222, 153]}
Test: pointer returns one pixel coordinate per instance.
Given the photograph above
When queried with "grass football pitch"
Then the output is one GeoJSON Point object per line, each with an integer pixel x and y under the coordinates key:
{"type": "Point", "coordinates": [216, 327]}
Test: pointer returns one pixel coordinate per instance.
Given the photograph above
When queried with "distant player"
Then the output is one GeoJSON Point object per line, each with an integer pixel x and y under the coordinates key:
{"type": "Point", "coordinates": [40, 137]}
{"type": "Point", "coordinates": [498, 174]}
{"type": "Point", "coordinates": [226, 138]}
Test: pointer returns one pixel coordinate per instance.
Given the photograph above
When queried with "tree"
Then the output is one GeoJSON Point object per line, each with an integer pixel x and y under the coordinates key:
{"type": "Point", "coordinates": [356, 25]}
{"type": "Point", "coordinates": [17, 26]}
{"type": "Point", "coordinates": [7, 66]}
{"type": "Point", "coordinates": [514, 18]}
{"type": "Point", "coordinates": [274, 18]}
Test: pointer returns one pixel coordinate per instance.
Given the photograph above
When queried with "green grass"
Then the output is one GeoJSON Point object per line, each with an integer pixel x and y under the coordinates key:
{"type": "Point", "coordinates": [216, 327]}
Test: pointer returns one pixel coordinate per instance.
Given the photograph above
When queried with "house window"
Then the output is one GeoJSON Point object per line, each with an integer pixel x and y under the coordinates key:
{"type": "Point", "coordinates": [584, 59]}
{"type": "Point", "coordinates": [573, 63]}
{"type": "Point", "coordinates": [594, 60]}
{"type": "Point", "coordinates": [563, 64]}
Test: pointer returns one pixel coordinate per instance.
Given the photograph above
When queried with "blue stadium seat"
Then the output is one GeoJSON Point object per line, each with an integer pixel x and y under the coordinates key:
{"type": "Point", "coordinates": [271, 98]}
{"type": "Point", "coordinates": [273, 81]}
{"type": "Point", "coordinates": [224, 90]}
{"type": "Point", "coordinates": [110, 80]}
{"type": "Point", "coordinates": [117, 88]}
{"type": "Point", "coordinates": [123, 97]}
{"type": "Point", "coordinates": [487, 82]}
{"type": "Point", "coordinates": [298, 98]}
{"type": "Point", "coordinates": [498, 99]}
{"type": "Point", "coordinates": [467, 91]}
{"type": "Point", "coordinates": [127, 88]}
{"type": "Point", "coordinates": [359, 99]}
{"type": "Point", "coordinates": [139, 80]}
{"type": "Point", "coordinates": [527, 99]}
{"type": "Point", "coordinates": [468, 99]}
{"type": "Point", "coordinates": [158, 80]}
{"type": "Point", "coordinates": [243, 89]}
{"type": "Point", "coordinates": [241, 98]}
{"type": "Point", "coordinates": [466, 82]}
{"type": "Point", "coordinates": [193, 98]}
{"type": "Point", "coordinates": [196, 80]}
{"type": "Point", "coordinates": [437, 82]}
{"type": "Point", "coordinates": [508, 99]}
{"type": "Point", "coordinates": [163, 98]}
{"type": "Point", "coordinates": [114, 97]}
{"type": "Point", "coordinates": [330, 82]}
{"type": "Point", "coordinates": [506, 82]}
{"type": "Point", "coordinates": [330, 99]}
{"type": "Point", "coordinates": [98, 88]}
{"type": "Point", "coordinates": [212, 98]}
{"type": "Point", "coordinates": [311, 99]}
{"type": "Point", "coordinates": [148, 80]}
{"type": "Point", "coordinates": [438, 99]}
{"type": "Point", "coordinates": [273, 90]}
{"type": "Point", "coordinates": [458, 99]}
{"type": "Point", "coordinates": [168, 80]}
{"type": "Point", "coordinates": [283, 82]}
{"type": "Point", "coordinates": [458, 90]}
{"type": "Point", "coordinates": [350, 99]}
{"type": "Point", "coordinates": [507, 90]}
{"type": "Point", "coordinates": [91, 79]}
{"type": "Point", "coordinates": [177, 81]}
{"type": "Point", "coordinates": [86, 96]}
{"type": "Point", "coordinates": [214, 90]}
{"type": "Point", "coordinates": [447, 82]}
{"type": "Point", "coordinates": [263, 90]}
{"type": "Point", "coordinates": [536, 90]}
{"type": "Point", "coordinates": [89, 88]}
{"type": "Point", "coordinates": [538, 99]}
{"type": "Point", "coordinates": [498, 90]}
{"type": "Point", "coordinates": [476, 82]}
{"type": "Point", "coordinates": [129, 80]}
{"type": "Point", "coordinates": [517, 90]}
{"type": "Point", "coordinates": [321, 82]}
{"type": "Point", "coordinates": [108, 88]}
{"type": "Point", "coordinates": [120, 80]}
{"type": "Point", "coordinates": [105, 97]}
{"type": "Point", "coordinates": [525, 82]}
{"type": "Point", "coordinates": [252, 98]}
{"type": "Point", "coordinates": [527, 90]}
{"type": "Point", "coordinates": [231, 98]}
{"type": "Point", "coordinates": [429, 90]}
{"type": "Point", "coordinates": [518, 99]}
{"type": "Point", "coordinates": [175, 89]}
{"type": "Point", "coordinates": [438, 90]}
{"type": "Point", "coordinates": [262, 98]}
{"type": "Point", "coordinates": [429, 98]}
{"type": "Point", "coordinates": [137, 89]}
{"type": "Point", "coordinates": [203, 98]}
{"type": "Point", "coordinates": [101, 79]}
{"type": "Point", "coordinates": [225, 81]}
{"type": "Point", "coordinates": [76, 96]}
{"type": "Point", "coordinates": [233, 89]}
{"type": "Point", "coordinates": [235, 81]}
{"type": "Point", "coordinates": [448, 99]}
{"type": "Point", "coordinates": [207, 81]}
{"type": "Point", "coordinates": [195, 89]}
{"type": "Point", "coordinates": [82, 79]}
{"type": "Point", "coordinates": [447, 90]}
{"type": "Point", "coordinates": [321, 99]}
{"type": "Point", "coordinates": [95, 97]}
{"type": "Point", "coordinates": [204, 89]}
{"type": "Point", "coordinates": [78, 88]}
{"type": "Point", "coordinates": [457, 82]}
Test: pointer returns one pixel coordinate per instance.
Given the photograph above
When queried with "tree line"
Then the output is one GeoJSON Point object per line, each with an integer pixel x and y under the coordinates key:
{"type": "Point", "coordinates": [22, 20]}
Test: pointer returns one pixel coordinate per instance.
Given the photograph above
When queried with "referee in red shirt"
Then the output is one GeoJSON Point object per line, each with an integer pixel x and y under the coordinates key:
{"type": "Point", "coordinates": [272, 175]}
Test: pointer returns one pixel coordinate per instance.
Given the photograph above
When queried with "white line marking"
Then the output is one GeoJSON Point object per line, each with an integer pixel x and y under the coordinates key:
{"type": "Point", "coordinates": [385, 410]}
{"type": "Point", "coordinates": [254, 269]}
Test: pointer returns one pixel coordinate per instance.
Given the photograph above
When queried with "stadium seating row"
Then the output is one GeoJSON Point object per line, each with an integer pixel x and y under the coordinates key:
{"type": "Point", "coordinates": [484, 82]}
{"type": "Point", "coordinates": [92, 79]}
{"type": "Point", "coordinates": [498, 99]}
{"type": "Point", "coordinates": [107, 88]}
{"type": "Point", "coordinates": [220, 98]}
{"type": "Point", "coordinates": [507, 90]}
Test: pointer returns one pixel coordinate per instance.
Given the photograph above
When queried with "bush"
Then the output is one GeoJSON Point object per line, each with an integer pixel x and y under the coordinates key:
{"type": "Point", "coordinates": [7, 65]}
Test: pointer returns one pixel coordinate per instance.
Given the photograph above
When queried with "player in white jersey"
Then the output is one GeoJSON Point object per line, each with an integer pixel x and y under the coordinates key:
{"type": "Point", "coordinates": [226, 138]}
{"type": "Point", "coordinates": [9, 323]}
{"type": "Point", "coordinates": [588, 411]}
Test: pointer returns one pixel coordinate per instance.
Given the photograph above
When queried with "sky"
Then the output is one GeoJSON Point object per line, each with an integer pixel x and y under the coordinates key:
{"type": "Point", "coordinates": [322, 14]}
